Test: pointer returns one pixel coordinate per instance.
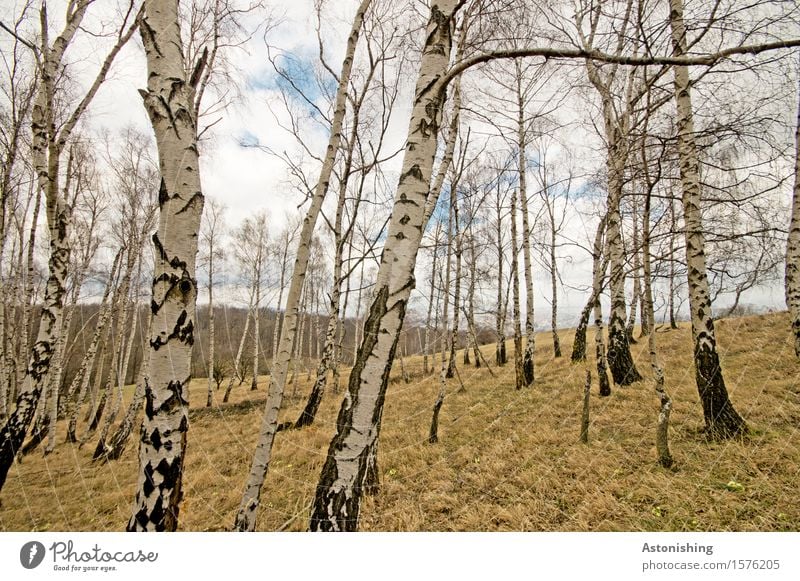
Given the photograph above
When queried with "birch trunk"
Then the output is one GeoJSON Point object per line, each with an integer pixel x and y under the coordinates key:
{"type": "Point", "coordinates": [80, 383]}
{"type": "Point", "coordinates": [665, 402]}
{"type": "Point", "coordinates": [117, 442]}
{"type": "Point", "coordinates": [792, 279]}
{"type": "Point", "coordinates": [211, 338]}
{"type": "Point", "coordinates": [522, 168]}
{"type": "Point", "coordinates": [597, 289]}
{"type": "Point", "coordinates": [256, 332]}
{"type": "Point", "coordinates": [519, 366]}
{"type": "Point", "coordinates": [616, 129]}
{"type": "Point", "coordinates": [338, 496]}
{"type": "Point", "coordinates": [169, 101]}
{"type": "Point", "coordinates": [433, 434]}
{"type": "Point", "coordinates": [47, 145]}
{"type": "Point", "coordinates": [554, 291]}
{"type": "Point", "coordinates": [500, 357]}
{"type": "Point", "coordinates": [673, 231]}
{"type": "Point", "coordinates": [237, 364]}
{"type": "Point", "coordinates": [246, 515]}
{"type": "Point", "coordinates": [426, 347]}
{"type": "Point", "coordinates": [721, 419]}
{"type": "Point", "coordinates": [455, 242]}
{"type": "Point", "coordinates": [637, 289]}
{"type": "Point", "coordinates": [471, 305]}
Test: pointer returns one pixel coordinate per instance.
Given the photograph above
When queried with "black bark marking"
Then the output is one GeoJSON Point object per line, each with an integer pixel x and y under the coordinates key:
{"type": "Point", "coordinates": [338, 509]}
{"type": "Point", "coordinates": [620, 361]}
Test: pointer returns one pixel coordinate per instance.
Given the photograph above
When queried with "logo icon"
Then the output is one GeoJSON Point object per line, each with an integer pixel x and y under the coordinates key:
{"type": "Point", "coordinates": [31, 554]}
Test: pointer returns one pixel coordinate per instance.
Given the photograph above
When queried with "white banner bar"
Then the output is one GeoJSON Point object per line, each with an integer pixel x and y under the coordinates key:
{"type": "Point", "coordinates": [387, 556]}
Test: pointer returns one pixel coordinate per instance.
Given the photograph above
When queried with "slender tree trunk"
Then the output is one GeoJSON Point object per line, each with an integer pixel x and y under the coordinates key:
{"type": "Point", "coordinates": [433, 434]}
{"type": "Point", "coordinates": [169, 101]}
{"type": "Point", "coordinates": [672, 289]}
{"type": "Point", "coordinates": [211, 338]}
{"type": "Point", "coordinates": [117, 442]}
{"type": "Point", "coordinates": [470, 316]}
{"type": "Point", "coordinates": [522, 168]}
{"type": "Point", "coordinates": [338, 495]}
{"type": "Point", "coordinates": [722, 420]}
{"type": "Point", "coordinates": [554, 291]}
{"type": "Point", "coordinates": [597, 288]}
{"type": "Point", "coordinates": [256, 332]}
{"type": "Point", "coordinates": [456, 243]}
{"type": "Point", "coordinates": [246, 515]}
{"type": "Point", "coordinates": [237, 364]}
{"type": "Point", "coordinates": [662, 426]}
{"type": "Point", "coordinates": [519, 369]}
{"type": "Point", "coordinates": [637, 289]}
{"type": "Point", "coordinates": [426, 348]}
{"type": "Point", "coordinates": [500, 357]}
{"type": "Point", "coordinates": [587, 389]}
{"type": "Point", "coordinates": [792, 278]}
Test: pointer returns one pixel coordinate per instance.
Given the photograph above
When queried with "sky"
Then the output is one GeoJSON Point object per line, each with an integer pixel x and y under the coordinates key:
{"type": "Point", "coordinates": [247, 179]}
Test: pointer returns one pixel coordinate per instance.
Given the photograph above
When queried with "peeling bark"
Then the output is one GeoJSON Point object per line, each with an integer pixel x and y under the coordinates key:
{"type": "Point", "coordinates": [169, 101]}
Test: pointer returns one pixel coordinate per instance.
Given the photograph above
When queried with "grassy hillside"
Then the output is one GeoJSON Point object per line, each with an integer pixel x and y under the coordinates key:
{"type": "Point", "coordinates": [507, 459]}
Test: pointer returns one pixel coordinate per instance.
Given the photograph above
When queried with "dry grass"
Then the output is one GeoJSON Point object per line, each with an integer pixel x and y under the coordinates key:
{"type": "Point", "coordinates": [507, 460]}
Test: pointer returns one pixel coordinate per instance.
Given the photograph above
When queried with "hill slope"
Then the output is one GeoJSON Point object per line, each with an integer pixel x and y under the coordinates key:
{"type": "Point", "coordinates": [507, 460]}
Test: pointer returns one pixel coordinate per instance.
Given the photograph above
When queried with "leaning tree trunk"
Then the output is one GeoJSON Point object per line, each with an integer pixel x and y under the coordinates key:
{"type": "Point", "coordinates": [246, 515]}
{"type": "Point", "coordinates": [169, 101]}
{"type": "Point", "coordinates": [792, 281]}
{"type": "Point", "coordinates": [433, 434]}
{"type": "Point", "coordinates": [721, 419]}
{"type": "Point", "coordinates": [598, 274]}
{"type": "Point", "coordinates": [338, 495]}
{"type": "Point", "coordinates": [237, 363]}
{"type": "Point", "coordinates": [599, 267]}
{"type": "Point", "coordinates": [620, 360]}
{"type": "Point", "coordinates": [118, 440]}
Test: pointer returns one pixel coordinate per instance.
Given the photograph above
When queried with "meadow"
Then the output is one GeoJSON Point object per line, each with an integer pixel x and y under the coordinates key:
{"type": "Point", "coordinates": [507, 460]}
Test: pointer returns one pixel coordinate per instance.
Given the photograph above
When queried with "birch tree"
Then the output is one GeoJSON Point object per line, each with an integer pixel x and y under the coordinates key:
{"type": "Point", "coordinates": [721, 418]}
{"type": "Point", "coordinates": [246, 515]}
{"type": "Point", "coordinates": [338, 497]}
{"type": "Point", "coordinates": [792, 272]}
{"type": "Point", "coordinates": [170, 103]}
{"type": "Point", "coordinates": [210, 234]}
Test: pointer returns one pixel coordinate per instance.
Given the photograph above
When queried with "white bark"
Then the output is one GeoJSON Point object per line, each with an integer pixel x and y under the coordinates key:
{"type": "Point", "coordinates": [169, 101]}
{"type": "Point", "coordinates": [338, 497]}
{"type": "Point", "coordinates": [246, 515]}
{"type": "Point", "coordinates": [722, 420]}
{"type": "Point", "coordinates": [522, 168]}
{"type": "Point", "coordinates": [792, 279]}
